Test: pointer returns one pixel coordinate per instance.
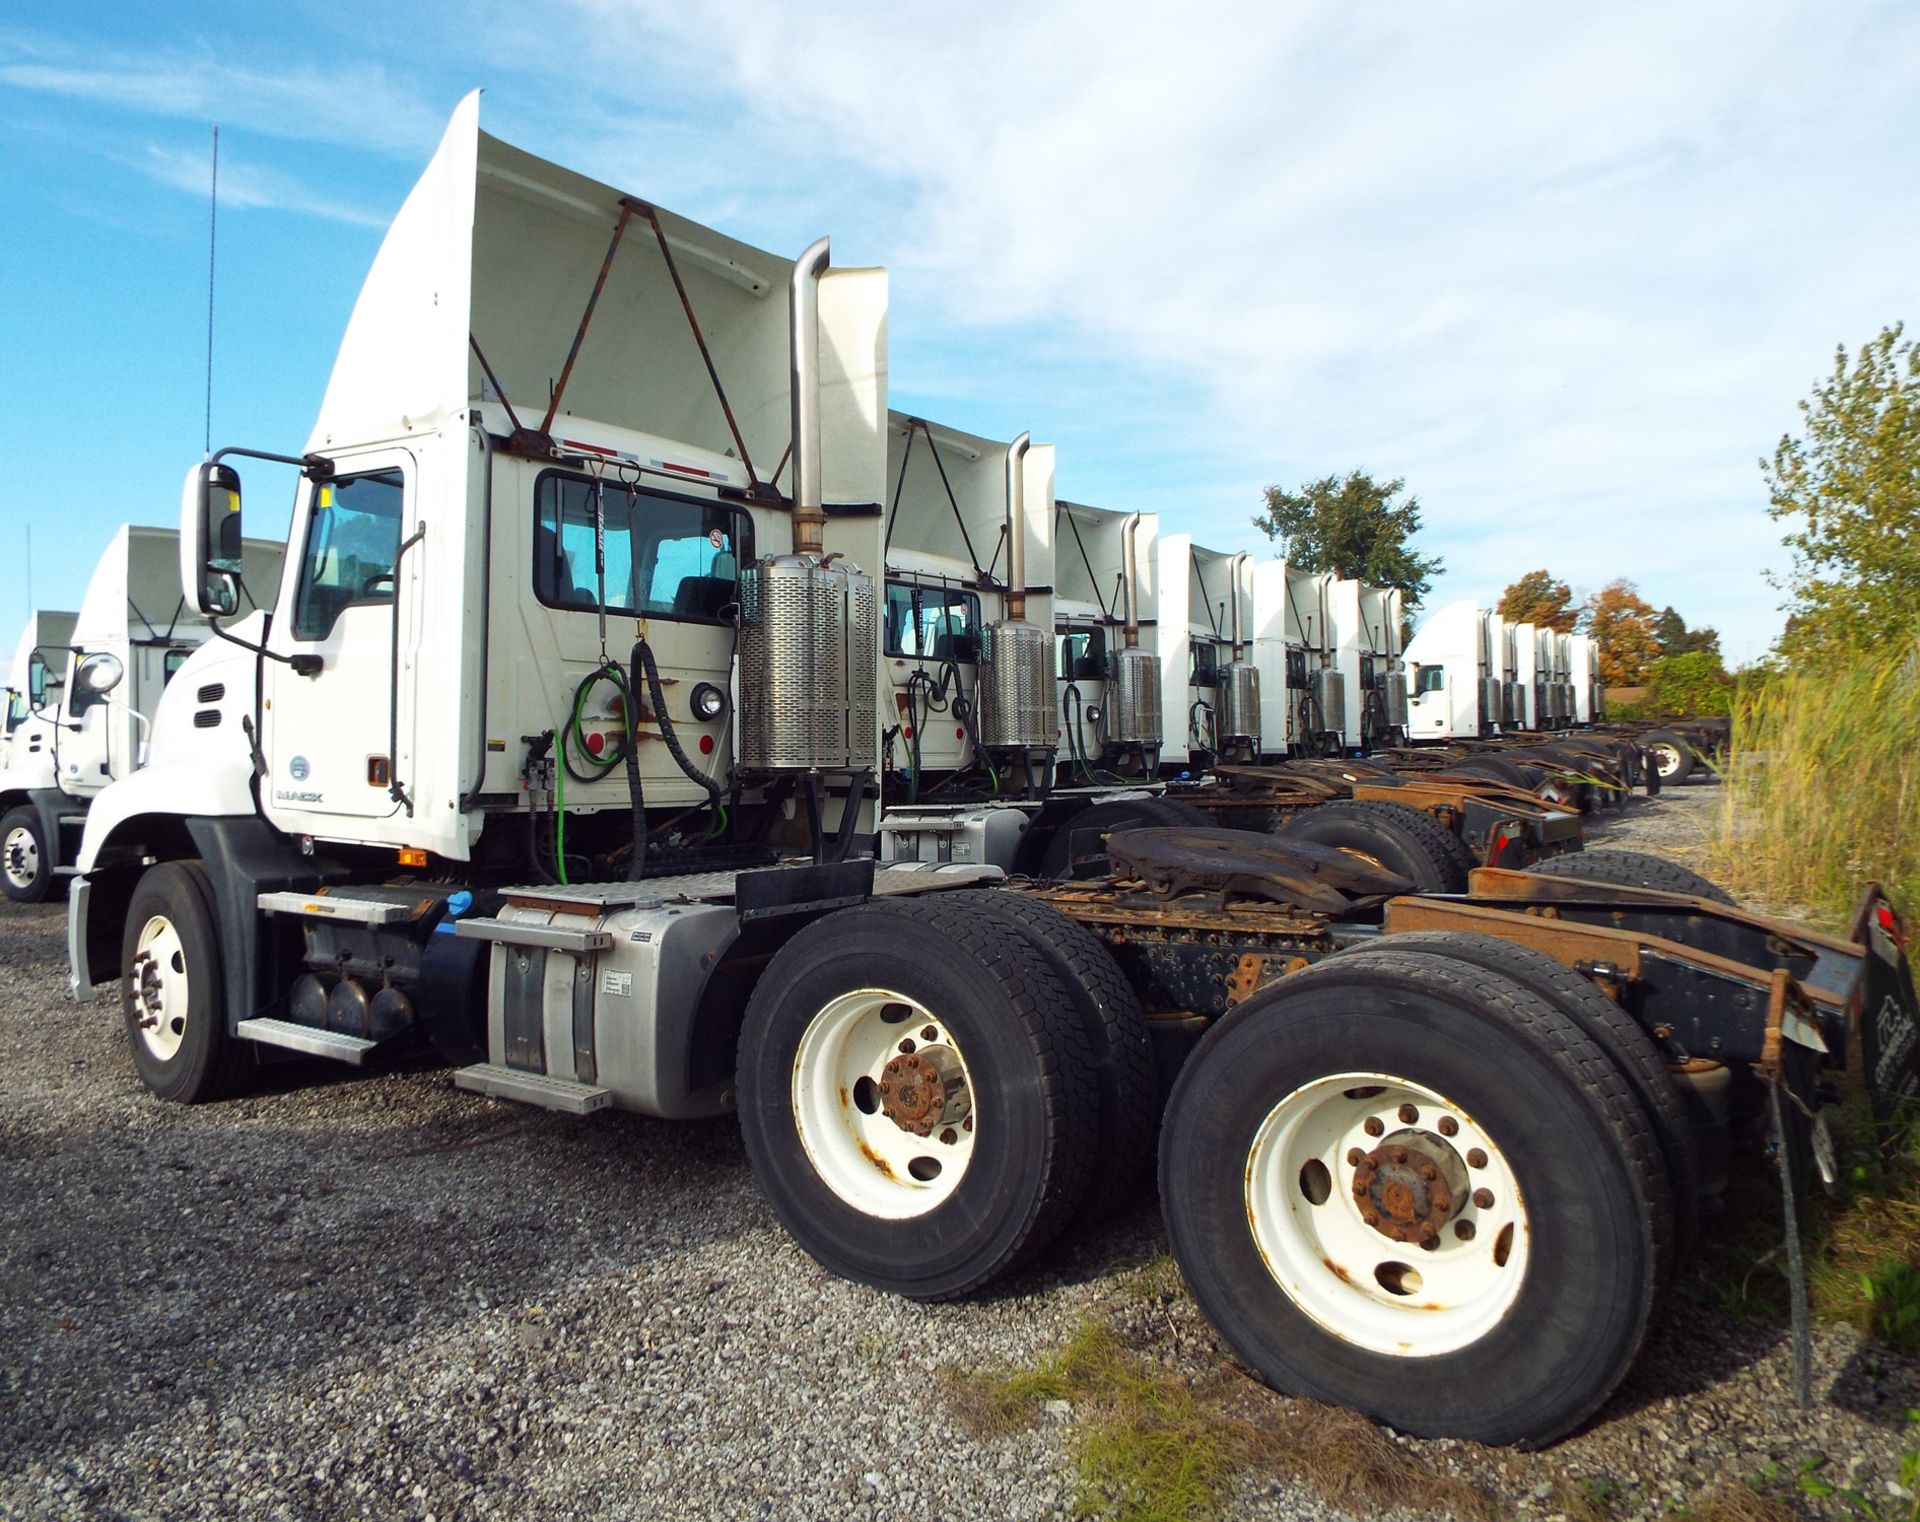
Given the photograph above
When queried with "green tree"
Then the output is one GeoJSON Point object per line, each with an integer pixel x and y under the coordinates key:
{"type": "Point", "coordinates": [1537, 599]}
{"type": "Point", "coordinates": [1689, 683]}
{"type": "Point", "coordinates": [1675, 638]}
{"type": "Point", "coordinates": [1621, 622]}
{"type": "Point", "coordinates": [1351, 525]}
{"type": "Point", "coordinates": [1851, 487]}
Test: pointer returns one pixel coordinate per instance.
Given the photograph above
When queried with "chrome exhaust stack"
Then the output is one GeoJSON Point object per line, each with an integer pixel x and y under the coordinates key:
{"type": "Point", "coordinates": [1133, 691]}
{"type": "Point", "coordinates": [1016, 657]}
{"type": "Point", "coordinates": [1239, 704]}
{"type": "Point", "coordinates": [808, 622]}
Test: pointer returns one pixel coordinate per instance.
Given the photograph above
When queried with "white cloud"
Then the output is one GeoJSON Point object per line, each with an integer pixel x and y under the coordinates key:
{"type": "Point", "coordinates": [244, 185]}
{"type": "Point", "coordinates": [1565, 270]}
{"type": "Point", "coordinates": [347, 103]}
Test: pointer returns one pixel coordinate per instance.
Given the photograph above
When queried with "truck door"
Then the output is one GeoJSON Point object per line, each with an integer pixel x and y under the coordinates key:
{"type": "Point", "coordinates": [326, 728]}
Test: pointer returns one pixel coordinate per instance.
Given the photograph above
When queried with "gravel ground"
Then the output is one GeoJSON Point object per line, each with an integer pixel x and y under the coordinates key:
{"type": "Point", "coordinates": [375, 1295]}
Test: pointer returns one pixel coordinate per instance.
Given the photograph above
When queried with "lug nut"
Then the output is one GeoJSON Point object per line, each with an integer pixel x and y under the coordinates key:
{"type": "Point", "coordinates": [1476, 1158]}
{"type": "Point", "coordinates": [1429, 1172]}
{"type": "Point", "coordinates": [1463, 1230]}
{"type": "Point", "coordinates": [1429, 1240]}
{"type": "Point", "coordinates": [1408, 1115]}
{"type": "Point", "coordinates": [1449, 1126]}
{"type": "Point", "coordinates": [1355, 1157]}
{"type": "Point", "coordinates": [1372, 1125]}
{"type": "Point", "coordinates": [1483, 1198]}
{"type": "Point", "coordinates": [930, 1034]}
{"type": "Point", "coordinates": [1399, 1154]}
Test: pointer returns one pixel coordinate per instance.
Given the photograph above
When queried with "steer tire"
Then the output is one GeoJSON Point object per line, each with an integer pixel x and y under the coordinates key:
{"type": "Point", "coordinates": [1262, 1182]}
{"type": "Point", "coordinates": [1634, 869]}
{"type": "Point", "coordinates": [1075, 849]}
{"type": "Point", "coordinates": [1396, 836]}
{"type": "Point", "coordinates": [844, 1177]}
{"type": "Point", "coordinates": [186, 1054]}
{"type": "Point", "coordinates": [1662, 1121]}
{"type": "Point", "coordinates": [24, 857]}
{"type": "Point", "coordinates": [1116, 1028]}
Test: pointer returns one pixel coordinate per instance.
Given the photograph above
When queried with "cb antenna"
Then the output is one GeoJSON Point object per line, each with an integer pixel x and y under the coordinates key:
{"type": "Point", "coordinates": [213, 228]}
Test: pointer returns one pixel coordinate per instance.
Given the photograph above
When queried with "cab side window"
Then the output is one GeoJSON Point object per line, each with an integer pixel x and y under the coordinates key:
{"type": "Point", "coordinates": [1206, 664]}
{"type": "Point", "coordinates": [1429, 679]}
{"type": "Point", "coordinates": [353, 540]}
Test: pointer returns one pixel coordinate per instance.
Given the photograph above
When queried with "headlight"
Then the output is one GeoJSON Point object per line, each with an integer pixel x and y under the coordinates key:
{"type": "Point", "coordinates": [708, 702]}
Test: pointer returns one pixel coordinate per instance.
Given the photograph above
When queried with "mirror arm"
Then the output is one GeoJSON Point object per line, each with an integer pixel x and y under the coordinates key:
{"type": "Point", "coordinates": [315, 467]}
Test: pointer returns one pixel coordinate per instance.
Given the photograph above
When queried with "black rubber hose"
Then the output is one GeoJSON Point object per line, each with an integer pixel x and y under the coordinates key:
{"type": "Point", "coordinates": [636, 793]}
{"type": "Point", "coordinates": [643, 655]}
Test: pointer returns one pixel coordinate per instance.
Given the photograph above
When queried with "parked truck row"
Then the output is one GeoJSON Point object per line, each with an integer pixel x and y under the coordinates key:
{"type": "Point", "coordinates": [646, 717]}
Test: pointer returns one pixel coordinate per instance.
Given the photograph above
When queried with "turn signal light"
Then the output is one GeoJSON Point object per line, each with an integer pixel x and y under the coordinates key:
{"type": "Point", "coordinates": [411, 857]}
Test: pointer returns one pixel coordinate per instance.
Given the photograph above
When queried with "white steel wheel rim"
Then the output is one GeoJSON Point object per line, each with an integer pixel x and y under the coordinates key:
{"type": "Point", "coordinates": [1366, 1288]}
{"type": "Point", "coordinates": [22, 857]}
{"type": "Point", "coordinates": [1666, 758]}
{"type": "Point", "coordinates": [851, 1136]}
{"type": "Point", "coordinates": [160, 994]}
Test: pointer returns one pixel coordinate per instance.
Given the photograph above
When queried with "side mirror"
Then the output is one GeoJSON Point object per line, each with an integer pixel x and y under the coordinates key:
{"type": "Point", "coordinates": [210, 539]}
{"type": "Point", "coordinates": [36, 679]}
{"type": "Point", "coordinates": [96, 676]}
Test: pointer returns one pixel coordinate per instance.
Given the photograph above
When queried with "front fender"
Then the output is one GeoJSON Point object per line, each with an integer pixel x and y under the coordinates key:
{"type": "Point", "coordinates": [174, 791]}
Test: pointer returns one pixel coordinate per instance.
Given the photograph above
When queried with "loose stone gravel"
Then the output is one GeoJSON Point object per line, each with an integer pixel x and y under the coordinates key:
{"type": "Point", "coordinates": [373, 1295]}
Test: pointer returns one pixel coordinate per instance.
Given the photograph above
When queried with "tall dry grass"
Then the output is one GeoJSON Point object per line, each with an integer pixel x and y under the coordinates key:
{"type": "Point", "coordinates": [1823, 787]}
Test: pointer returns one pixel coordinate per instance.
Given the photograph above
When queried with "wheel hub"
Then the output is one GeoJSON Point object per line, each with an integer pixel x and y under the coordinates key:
{"type": "Point", "coordinates": [22, 858]}
{"type": "Point", "coordinates": [1403, 1188]}
{"type": "Point", "coordinates": [922, 1089]}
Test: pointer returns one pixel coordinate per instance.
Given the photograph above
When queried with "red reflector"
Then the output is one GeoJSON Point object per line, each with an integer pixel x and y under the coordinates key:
{"type": "Point", "coordinates": [907, 733]}
{"type": "Point", "coordinates": [959, 731]}
{"type": "Point", "coordinates": [590, 448]}
{"type": "Point", "coordinates": [686, 470]}
{"type": "Point", "coordinates": [706, 745]}
{"type": "Point", "coordinates": [596, 742]}
{"type": "Point", "coordinates": [1890, 922]}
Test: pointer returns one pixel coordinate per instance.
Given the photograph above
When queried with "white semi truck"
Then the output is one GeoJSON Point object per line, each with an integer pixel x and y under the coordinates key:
{"type": "Point", "coordinates": [1205, 624]}
{"type": "Point", "coordinates": [1365, 625]}
{"type": "Point", "coordinates": [955, 567]}
{"type": "Point", "coordinates": [133, 632]}
{"type": "Point", "coordinates": [1106, 627]}
{"type": "Point", "coordinates": [1455, 685]}
{"type": "Point", "coordinates": [429, 803]}
{"type": "Point", "coordinates": [35, 682]}
{"type": "Point", "coordinates": [1293, 651]}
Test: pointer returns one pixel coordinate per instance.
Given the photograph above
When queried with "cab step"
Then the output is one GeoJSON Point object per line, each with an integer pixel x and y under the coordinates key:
{"type": "Point", "coordinates": [562, 1094]}
{"type": "Point", "coordinates": [306, 1038]}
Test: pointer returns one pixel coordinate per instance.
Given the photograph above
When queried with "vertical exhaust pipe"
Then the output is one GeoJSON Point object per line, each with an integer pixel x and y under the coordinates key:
{"type": "Point", "coordinates": [1238, 564]}
{"type": "Point", "coordinates": [1130, 550]}
{"type": "Point", "coordinates": [1017, 528]}
{"type": "Point", "coordinates": [803, 349]}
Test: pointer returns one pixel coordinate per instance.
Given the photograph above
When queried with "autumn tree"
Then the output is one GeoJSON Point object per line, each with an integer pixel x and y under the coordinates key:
{"type": "Point", "coordinates": [1537, 599]}
{"type": "Point", "coordinates": [1621, 622]}
{"type": "Point", "coordinates": [1850, 486]}
{"type": "Point", "coordinates": [1353, 526]}
{"type": "Point", "coordinates": [1675, 638]}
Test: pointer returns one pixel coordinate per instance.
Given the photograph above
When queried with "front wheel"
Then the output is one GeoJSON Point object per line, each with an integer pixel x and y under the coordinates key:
{"type": "Point", "coordinates": [171, 993]}
{"type": "Point", "coordinates": [1405, 1187]}
{"type": "Point", "coordinates": [918, 1095]}
{"type": "Point", "coordinates": [26, 866]}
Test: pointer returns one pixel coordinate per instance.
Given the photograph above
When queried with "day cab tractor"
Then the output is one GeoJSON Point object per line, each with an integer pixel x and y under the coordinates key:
{"type": "Point", "coordinates": [1437, 1156]}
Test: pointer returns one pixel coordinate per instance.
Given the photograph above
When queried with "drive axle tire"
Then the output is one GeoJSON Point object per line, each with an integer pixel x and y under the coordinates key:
{"type": "Point", "coordinates": [26, 865]}
{"type": "Point", "coordinates": [1661, 1123]}
{"type": "Point", "coordinates": [1392, 835]}
{"type": "Point", "coordinates": [1672, 756]}
{"type": "Point", "coordinates": [1116, 1029]}
{"type": "Point", "coordinates": [918, 1096]}
{"type": "Point", "coordinates": [1075, 849]}
{"type": "Point", "coordinates": [1408, 1187]}
{"type": "Point", "coordinates": [171, 992]}
{"type": "Point", "coordinates": [1634, 869]}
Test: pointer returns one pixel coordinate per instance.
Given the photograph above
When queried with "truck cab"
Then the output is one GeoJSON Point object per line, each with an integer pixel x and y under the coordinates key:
{"type": "Point", "coordinates": [1453, 691]}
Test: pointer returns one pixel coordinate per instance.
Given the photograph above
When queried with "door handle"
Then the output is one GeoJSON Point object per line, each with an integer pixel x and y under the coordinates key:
{"type": "Point", "coordinates": [307, 665]}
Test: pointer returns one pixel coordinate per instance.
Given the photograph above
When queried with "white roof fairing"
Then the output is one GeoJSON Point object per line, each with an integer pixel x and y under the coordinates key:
{"type": "Point", "coordinates": [498, 248]}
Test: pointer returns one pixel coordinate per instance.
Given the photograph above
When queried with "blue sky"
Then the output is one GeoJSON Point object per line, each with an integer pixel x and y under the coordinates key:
{"type": "Point", "coordinates": [1568, 272]}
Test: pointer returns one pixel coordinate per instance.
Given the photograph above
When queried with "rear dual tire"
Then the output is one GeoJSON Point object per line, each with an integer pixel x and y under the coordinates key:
{"type": "Point", "coordinates": [1395, 836]}
{"type": "Point", "coordinates": [1258, 1177]}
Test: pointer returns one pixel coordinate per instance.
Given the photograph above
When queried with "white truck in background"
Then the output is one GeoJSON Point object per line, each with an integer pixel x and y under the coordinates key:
{"type": "Point", "coordinates": [1455, 686]}
{"type": "Point", "coordinates": [132, 633]}
{"type": "Point", "coordinates": [1304, 710]}
{"type": "Point", "coordinates": [1583, 676]}
{"type": "Point", "coordinates": [1106, 628]}
{"type": "Point", "coordinates": [1365, 623]}
{"type": "Point", "coordinates": [35, 682]}
{"type": "Point", "coordinates": [1205, 627]}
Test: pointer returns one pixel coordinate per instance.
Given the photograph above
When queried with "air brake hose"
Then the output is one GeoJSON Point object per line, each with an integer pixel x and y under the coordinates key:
{"type": "Point", "coordinates": [643, 657]}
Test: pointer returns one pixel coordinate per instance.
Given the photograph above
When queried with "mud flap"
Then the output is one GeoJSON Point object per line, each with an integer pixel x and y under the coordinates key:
{"type": "Point", "coordinates": [1889, 1021]}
